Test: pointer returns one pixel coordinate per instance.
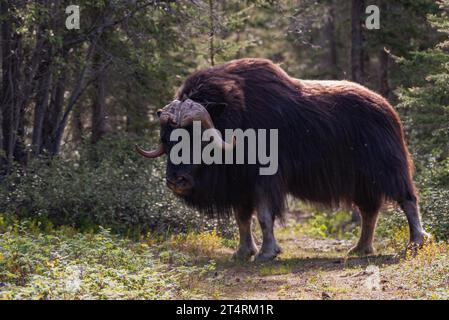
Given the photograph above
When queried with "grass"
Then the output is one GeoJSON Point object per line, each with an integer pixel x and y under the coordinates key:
{"type": "Point", "coordinates": [60, 263]}
{"type": "Point", "coordinates": [40, 261]}
{"type": "Point", "coordinates": [430, 271]}
{"type": "Point", "coordinates": [267, 270]}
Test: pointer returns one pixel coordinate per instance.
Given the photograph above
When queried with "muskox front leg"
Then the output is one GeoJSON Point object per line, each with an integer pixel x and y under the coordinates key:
{"type": "Point", "coordinates": [247, 248]}
{"type": "Point", "coordinates": [365, 244]}
{"type": "Point", "coordinates": [270, 248]}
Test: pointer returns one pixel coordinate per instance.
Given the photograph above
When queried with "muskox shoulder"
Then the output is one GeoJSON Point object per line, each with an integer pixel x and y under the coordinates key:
{"type": "Point", "coordinates": [334, 90]}
{"type": "Point", "coordinates": [214, 88]}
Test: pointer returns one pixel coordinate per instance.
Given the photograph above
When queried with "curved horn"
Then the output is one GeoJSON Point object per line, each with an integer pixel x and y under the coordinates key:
{"type": "Point", "coordinates": [165, 115]}
{"type": "Point", "coordinates": [151, 154]}
{"type": "Point", "coordinates": [218, 141]}
{"type": "Point", "coordinates": [196, 112]}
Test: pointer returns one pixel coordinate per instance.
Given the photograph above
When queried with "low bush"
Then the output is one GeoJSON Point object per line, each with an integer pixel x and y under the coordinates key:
{"type": "Point", "coordinates": [38, 261]}
{"type": "Point", "coordinates": [433, 185]}
{"type": "Point", "coordinates": [107, 184]}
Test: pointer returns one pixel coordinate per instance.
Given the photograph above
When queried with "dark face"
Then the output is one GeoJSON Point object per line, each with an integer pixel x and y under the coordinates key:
{"type": "Point", "coordinates": [180, 178]}
{"type": "Point", "coordinates": [176, 115]}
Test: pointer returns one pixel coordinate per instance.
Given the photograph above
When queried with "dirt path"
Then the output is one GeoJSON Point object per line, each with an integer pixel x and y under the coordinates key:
{"type": "Point", "coordinates": [312, 268]}
{"type": "Point", "coordinates": [309, 269]}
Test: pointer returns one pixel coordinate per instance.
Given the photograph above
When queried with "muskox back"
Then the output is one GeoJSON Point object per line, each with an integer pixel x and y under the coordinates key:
{"type": "Point", "coordinates": [355, 151]}
{"type": "Point", "coordinates": [339, 143]}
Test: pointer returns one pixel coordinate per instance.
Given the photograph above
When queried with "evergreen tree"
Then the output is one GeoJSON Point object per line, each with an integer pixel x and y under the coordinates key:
{"type": "Point", "coordinates": [426, 104]}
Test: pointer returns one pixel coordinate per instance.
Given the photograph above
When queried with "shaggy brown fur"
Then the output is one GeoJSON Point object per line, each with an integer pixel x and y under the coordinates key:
{"type": "Point", "coordinates": [339, 144]}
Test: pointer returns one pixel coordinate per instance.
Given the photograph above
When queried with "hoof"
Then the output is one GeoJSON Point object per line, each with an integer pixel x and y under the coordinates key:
{"type": "Point", "coordinates": [420, 239]}
{"type": "Point", "coordinates": [244, 255]}
{"type": "Point", "coordinates": [361, 251]}
{"type": "Point", "coordinates": [264, 256]}
{"type": "Point", "coordinates": [418, 242]}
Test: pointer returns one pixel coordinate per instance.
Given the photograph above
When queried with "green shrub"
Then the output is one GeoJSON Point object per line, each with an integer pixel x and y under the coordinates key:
{"type": "Point", "coordinates": [433, 184]}
{"type": "Point", "coordinates": [107, 184]}
{"type": "Point", "coordinates": [435, 211]}
{"type": "Point", "coordinates": [432, 181]}
{"type": "Point", "coordinates": [63, 263]}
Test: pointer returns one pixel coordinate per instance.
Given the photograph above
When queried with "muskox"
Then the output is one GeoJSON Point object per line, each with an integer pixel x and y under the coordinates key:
{"type": "Point", "coordinates": [339, 144]}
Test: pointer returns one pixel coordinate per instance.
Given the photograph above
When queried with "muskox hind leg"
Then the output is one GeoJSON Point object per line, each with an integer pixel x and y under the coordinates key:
{"type": "Point", "coordinates": [365, 244]}
{"type": "Point", "coordinates": [270, 248]}
{"type": "Point", "coordinates": [247, 248]}
{"type": "Point", "coordinates": [417, 234]}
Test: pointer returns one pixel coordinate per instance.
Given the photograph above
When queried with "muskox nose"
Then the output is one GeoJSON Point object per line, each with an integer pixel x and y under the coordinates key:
{"type": "Point", "coordinates": [180, 184]}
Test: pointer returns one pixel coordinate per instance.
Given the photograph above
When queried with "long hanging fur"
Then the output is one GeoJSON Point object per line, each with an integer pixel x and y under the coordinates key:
{"type": "Point", "coordinates": [339, 143]}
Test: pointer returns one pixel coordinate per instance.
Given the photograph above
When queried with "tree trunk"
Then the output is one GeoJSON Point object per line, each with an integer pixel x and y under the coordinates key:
{"type": "Point", "coordinates": [99, 117]}
{"type": "Point", "coordinates": [54, 112]}
{"type": "Point", "coordinates": [1, 138]}
{"type": "Point", "coordinates": [384, 86]}
{"type": "Point", "coordinates": [80, 86]}
{"type": "Point", "coordinates": [331, 40]}
{"type": "Point", "coordinates": [42, 97]}
{"type": "Point", "coordinates": [211, 33]}
{"type": "Point", "coordinates": [357, 13]}
{"type": "Point", "coordinates": [10, 108]}
{"type": "Point", "coordinates": [76, 126]}
{"type": "Point", "coordinates": [20, 152]}
{"type": "Point", "coordinates": [30, 69]}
